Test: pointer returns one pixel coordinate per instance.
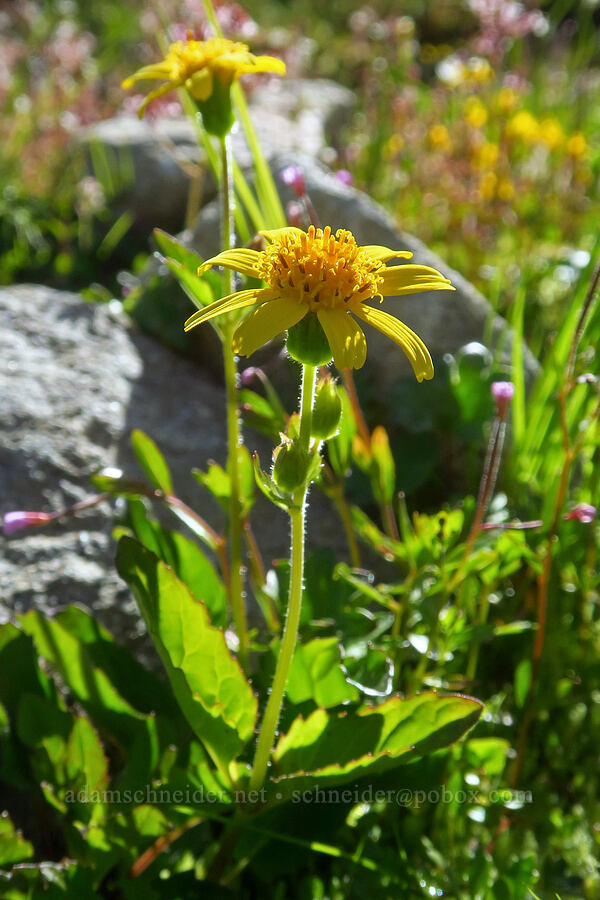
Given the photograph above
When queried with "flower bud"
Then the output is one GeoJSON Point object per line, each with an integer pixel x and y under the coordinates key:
{"type": "Point", "coordinates": [217, 110]}
{"type": "Point", "coordinates": [327, 410]}
{"type": "Point", "coordinates": [19, 520]}
{"type": "Point", "coordinates": [307, 343]}
{"type": "Point", "coordinates": [583, 512]}
{"type": "Point", "coordinates": [344, 176]}
{"type": "Point", "coordinates": [502, 392]}
{"type": "Point", "coordinates": [293, 176]}
{"type": "Point", "coordinates": [291, 465]}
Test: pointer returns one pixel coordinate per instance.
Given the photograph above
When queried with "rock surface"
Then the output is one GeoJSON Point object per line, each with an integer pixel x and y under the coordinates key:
{"type": "Point", "coordinates": [151, 160]}
{"type": "Point", "coordinates": [446, 321]}
{"type": "Point", "coordinates": [75, 380]}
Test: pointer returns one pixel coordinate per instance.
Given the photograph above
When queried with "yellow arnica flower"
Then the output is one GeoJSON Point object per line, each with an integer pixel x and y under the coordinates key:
{"type": "Point", "coordinates": [329, 276]}
{"type": "Point", "coordinates": [195, 65]}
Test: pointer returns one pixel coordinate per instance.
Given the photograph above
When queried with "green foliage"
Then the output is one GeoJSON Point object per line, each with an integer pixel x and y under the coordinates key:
{"type": "Point", "coordinates": [208, 683]}
{"type": "Point", "coordinates": [375, 718]}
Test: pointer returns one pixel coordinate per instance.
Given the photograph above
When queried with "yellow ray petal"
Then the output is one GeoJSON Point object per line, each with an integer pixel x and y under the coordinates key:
{"type": "Point", "coordinates": [241, 260]}
{"type": "Point", "coordinates": [265, 323]}
{"type": "Point", "coordinates": [412, 279]}
{"type": "Point", "coordinates": [275, 234]}
{"type": "Point", "coordinates": [262, 64]}
{"type": "Point", "coordinates": [227, 305]}
{"type": "Point", "coordinates": [156, 70]}
{"type": "Point", "coordinates": [410, 342]}
{"type": "Point", "coordinates": [163, 89]}
{"type": "Point", "coordinates": [345, 337]}
{"type": "Point", "coordinates": [384, 253]}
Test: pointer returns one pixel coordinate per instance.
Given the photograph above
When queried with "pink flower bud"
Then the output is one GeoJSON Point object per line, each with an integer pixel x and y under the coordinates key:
{"type": "Point", "coordinates": [293, 176]}
{"type": "Point", "coordinates": [295, 214]}
{"type": "Point", "coordinates": [248, 375]}
{"type": "Point", "coordinates": [583, 512]}
{"type": "Point", "coordinates": [502, 392]}
{"type": "Point", "coordinates": [17, 521]}
{"type": "Point", "coordinates": [344, 176]}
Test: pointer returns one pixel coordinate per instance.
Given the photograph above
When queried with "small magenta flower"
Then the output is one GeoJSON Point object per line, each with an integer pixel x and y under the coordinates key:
{"type": "Point", "coordinates": [344, 176]}
{"type": "Point", "coordinates": [583, 512]}
{"type": "Point", "coordinates": [295, 214]}
{"type": "Point", "coordinates": [293, 176]}
{"type": "Point", "coordinates": [502, 392]}
{"type": "Point", "coordinates": [19, 520]}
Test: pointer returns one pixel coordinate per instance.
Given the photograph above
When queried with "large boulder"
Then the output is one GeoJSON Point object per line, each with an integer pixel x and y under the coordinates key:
{"type": "Point", "coordinates": [75, 380]}
{"type": "Point", "coordinates": [151, 161]}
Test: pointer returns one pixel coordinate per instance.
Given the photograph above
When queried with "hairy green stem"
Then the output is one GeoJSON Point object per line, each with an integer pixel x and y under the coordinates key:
{"type": "Point", "coordinates": [233, 426]}
{"type": "Point", "coordinates": [268, 728]}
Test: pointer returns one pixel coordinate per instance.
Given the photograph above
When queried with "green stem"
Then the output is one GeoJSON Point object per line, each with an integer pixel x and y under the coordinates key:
{"type": "Point", "coordinates": [268, 728]}
{"type": "Point", "coordinates": [233, 427]}
{"type": "Point", "coordinates": [306, 404]}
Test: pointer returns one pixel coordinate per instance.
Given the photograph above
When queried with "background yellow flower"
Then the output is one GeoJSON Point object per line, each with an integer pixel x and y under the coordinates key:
{"type": "Point", "coordinates": [196, 64]}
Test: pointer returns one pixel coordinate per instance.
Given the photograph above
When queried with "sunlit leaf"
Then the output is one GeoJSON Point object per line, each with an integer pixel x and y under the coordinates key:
{"type": "Point", "coordinates": [208, 682]}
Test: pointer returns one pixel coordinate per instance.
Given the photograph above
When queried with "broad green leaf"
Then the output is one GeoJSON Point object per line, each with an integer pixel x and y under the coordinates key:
{"type": "Point", "coordinates": [324, 750]}
{"type": "Point", "coordinates": [152, 461]}
{"type": "Point", "coordinates": [19, 669]}
{"type": "Point", "coordinates": [143, 689]}
{"type": "Point", "coordinates": [85, 761]}
{"type": "Point", "coordinates": [489, 754]}
{"type": "Point", "coordinates": [13, 846]}
{"type": "Point", "coordinates": [76, 666]}
{"type": "Point", "coordinates": [208, 682]}
{"type": "Point", "coordinates": [177, 251]}
{"type": "Point", "coordinates": [41, 725]}
{"type": "Point", "coordinates": [198, 289]}
{"type": "Point", "coordinates": [316, 674]}
{"type": "Point", "coordinates": [185, 558]}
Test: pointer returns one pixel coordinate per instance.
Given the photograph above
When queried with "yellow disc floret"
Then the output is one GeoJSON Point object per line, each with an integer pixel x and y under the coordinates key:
{"type": "Point", "coordinates": [185, 58]}
{"type": "Point", "coordinates": [321, 270]}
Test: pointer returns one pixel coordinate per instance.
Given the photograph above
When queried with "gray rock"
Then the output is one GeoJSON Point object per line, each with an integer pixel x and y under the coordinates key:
{"type": "Point", "coordinates": [75, 380]}
{"type": "Point", "coordinates": [150, 161]}
{"type": "Point", "coordinates": [446, 321]}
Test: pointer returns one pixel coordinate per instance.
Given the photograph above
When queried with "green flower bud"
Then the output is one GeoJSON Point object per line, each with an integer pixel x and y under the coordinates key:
{"type": "Point", "coordinates": [307, 342]}
{"type": "Point", "coordinates": [217, 112]}
{"type": "Point", "coordinates": [291, 465]}
{"type": "Point", "coordinates": [327, 410]}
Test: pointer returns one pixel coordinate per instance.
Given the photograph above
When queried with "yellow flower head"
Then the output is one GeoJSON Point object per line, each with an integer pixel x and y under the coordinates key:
{"type": "Point", "coordinates": [196, 65]}
{"type": "Point", "coordinates": [524, 126]}
{"type": "Point", "coordinates": [475, 112]}
{"type": "Point", "coordinates": [328, 276]}
{"type": "Point", "coordinates": [577, 145]}
{"type": "Point", "coordinates": [439, 138]}
{"type": "Point", "coordinates": [486, 155]}
{"type": "Point", "coordinates": [551, 133]}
